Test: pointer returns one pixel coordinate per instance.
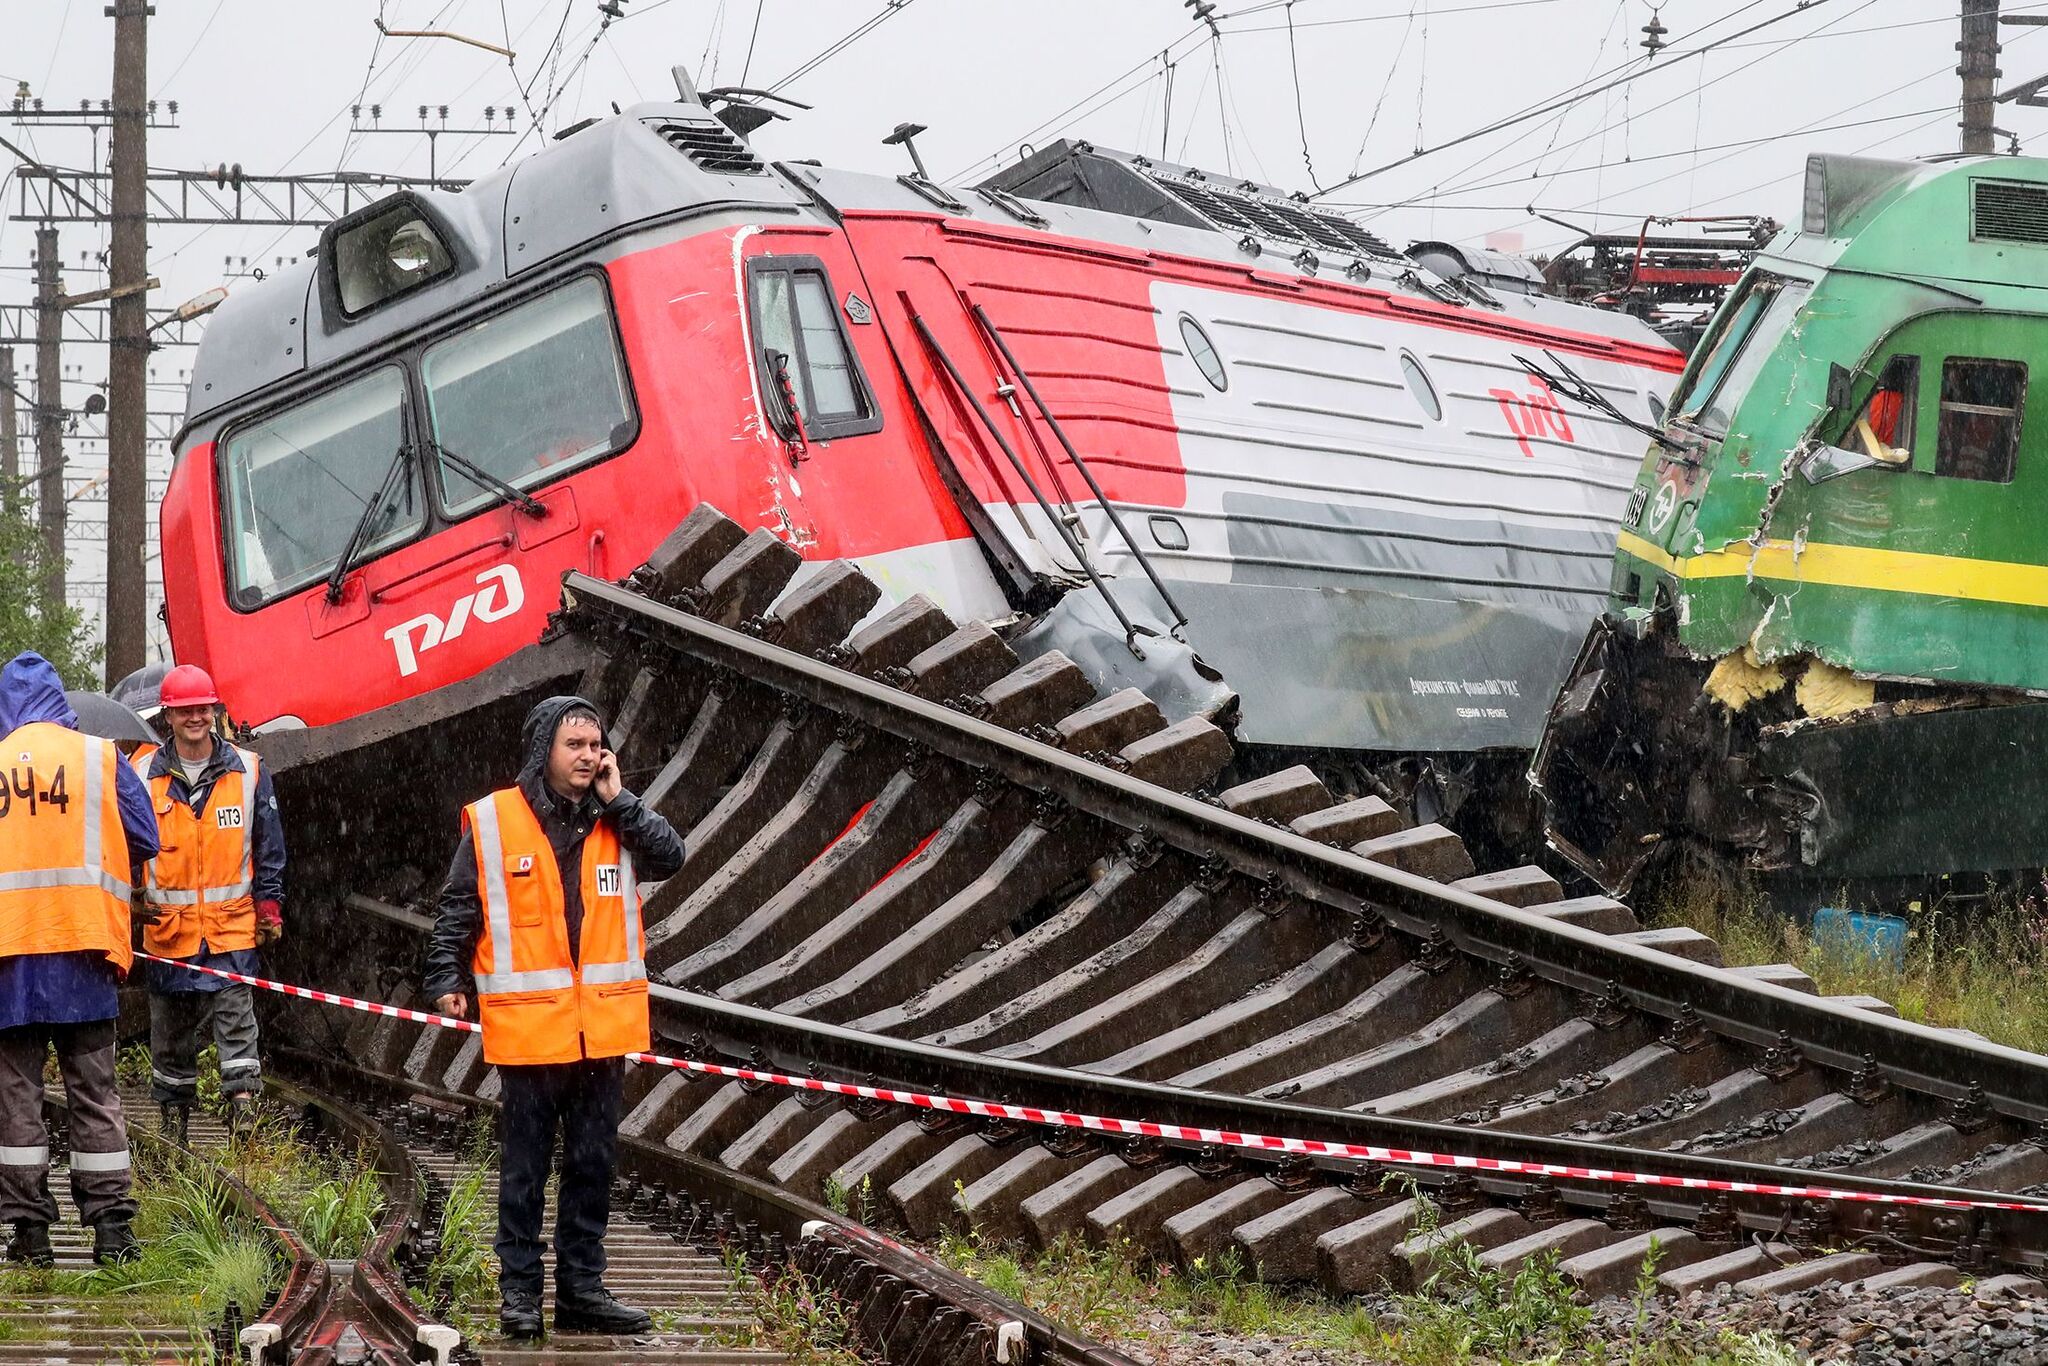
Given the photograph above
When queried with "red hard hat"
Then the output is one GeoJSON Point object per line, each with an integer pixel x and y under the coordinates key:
{"type": "Point", "coordinates": [187, 686]}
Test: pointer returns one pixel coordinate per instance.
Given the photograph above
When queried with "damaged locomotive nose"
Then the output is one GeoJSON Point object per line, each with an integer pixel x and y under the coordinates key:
{"type": "Point", "coordinates": [1838, 603]}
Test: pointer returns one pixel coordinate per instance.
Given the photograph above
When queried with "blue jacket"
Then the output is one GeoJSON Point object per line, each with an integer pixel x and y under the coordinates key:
{"type": "Point", "coordinates": [64, 988]}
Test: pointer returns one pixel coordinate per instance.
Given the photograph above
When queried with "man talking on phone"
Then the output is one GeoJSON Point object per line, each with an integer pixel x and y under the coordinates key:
{"type": "Point", "coordinates": [539, 928]}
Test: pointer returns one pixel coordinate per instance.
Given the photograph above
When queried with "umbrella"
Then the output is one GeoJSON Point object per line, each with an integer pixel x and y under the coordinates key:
{"type": "Point", "coordinates": [101, 715]}
{"type": "Point", "coordinates": [139, 689]}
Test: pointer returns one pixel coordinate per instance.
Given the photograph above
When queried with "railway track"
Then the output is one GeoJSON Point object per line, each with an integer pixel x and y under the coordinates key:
{"type": "Point", "coordinates": [78, 1313]}
{"type": "Point", "coordinates": [913, 856]}
{"type": "Point", "coordinates": [692, 1243]}
{"type": "Point", "coordinates": [49, 1318]}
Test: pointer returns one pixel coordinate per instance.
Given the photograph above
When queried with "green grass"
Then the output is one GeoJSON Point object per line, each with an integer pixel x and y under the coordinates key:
{"type": "Point", "coordinates": [330, 1196]}
{"type": "Point", "coordinates": [461, 1281]}
{"type": "Point", "coordinates": [792, 1316]}
{"type": "Point", "coordinates": [1464, 1312]}
{"type": "Point", "coordinates": [198, 1256]}
{"type": "Point", "coordinates": [1983, 968]}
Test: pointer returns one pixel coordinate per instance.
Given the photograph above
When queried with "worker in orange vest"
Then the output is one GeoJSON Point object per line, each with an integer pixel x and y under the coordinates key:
{"type": "Point", "coordinates": [215, 894]}
{"type": "Point", "coordinates": [540, 924]}
{"type": "Point", "coordinates": [74, 821]}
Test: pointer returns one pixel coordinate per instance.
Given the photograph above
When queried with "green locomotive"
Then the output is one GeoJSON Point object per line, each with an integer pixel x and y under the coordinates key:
{"type": "Point", "coordinates": [1826, 642]}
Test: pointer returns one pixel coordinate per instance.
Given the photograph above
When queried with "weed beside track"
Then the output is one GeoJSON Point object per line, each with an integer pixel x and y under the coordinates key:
{"type": "Point", "coordinates": [1218, 1310]}
{"type": "Point", "coordinates": [1984, 968]}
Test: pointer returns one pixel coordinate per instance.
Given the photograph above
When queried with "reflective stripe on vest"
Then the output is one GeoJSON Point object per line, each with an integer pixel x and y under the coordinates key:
{"type": "Point", "coordinates": [89, 871]}
{"type": "Point", "coordinates": [490, 849]}
{"type": "Point", "coordinates": [634, 969]}
{"type": "Point", "coordinates": [159, 895]}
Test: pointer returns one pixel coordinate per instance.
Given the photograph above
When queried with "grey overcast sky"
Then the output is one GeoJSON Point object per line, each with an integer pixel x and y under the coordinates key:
{"type": "Point", "coordinates": [269, 83]}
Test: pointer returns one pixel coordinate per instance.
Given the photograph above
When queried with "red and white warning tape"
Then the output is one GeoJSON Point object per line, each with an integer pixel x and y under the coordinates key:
{"type": "Point", "coordinates": [1307, 1147]}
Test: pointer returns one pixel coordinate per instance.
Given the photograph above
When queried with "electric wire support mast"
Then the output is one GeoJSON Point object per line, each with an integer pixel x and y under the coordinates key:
{"type": "Point", "coordinates": [1825, 644]}
{"type": "Point", "coordinates": [1205, 439]}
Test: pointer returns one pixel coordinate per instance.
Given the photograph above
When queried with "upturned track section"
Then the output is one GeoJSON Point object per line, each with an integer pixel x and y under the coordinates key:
{"type": "Point", "coordinates": [914, 856]}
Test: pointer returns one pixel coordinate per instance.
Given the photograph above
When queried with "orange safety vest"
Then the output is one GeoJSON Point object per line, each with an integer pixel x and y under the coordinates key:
{"type": "Point", "coordinates": [64, 864]}
{"type": "Point", "coordinates": [536, 1003]}
{"type": "Point", "coordinates": [202, 883]}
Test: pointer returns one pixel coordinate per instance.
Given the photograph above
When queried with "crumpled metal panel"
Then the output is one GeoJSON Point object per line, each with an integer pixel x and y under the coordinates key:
{"type": "Point", "coordinates": [1177, 679]}
{"type": "Point", "coordinates": [1884, 796]}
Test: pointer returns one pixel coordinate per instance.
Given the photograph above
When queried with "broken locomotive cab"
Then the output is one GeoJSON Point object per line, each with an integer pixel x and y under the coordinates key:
{"type": "Point", "coordinates": [1825, 636]}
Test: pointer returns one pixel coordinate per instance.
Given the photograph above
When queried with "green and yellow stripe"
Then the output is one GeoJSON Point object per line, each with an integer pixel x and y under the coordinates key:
{"type": "Point", "coordinates": [1855, 566]}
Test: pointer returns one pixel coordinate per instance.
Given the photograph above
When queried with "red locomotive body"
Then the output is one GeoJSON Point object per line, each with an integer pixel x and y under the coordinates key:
{"type": "Point", "coordinates": [1337, 462]}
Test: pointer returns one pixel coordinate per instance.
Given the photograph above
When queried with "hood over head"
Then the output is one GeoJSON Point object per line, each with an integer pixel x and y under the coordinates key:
{"type": "Point", "coordinates": [537, 736]}
{"type": "Point", "coordinates": [30, 691]}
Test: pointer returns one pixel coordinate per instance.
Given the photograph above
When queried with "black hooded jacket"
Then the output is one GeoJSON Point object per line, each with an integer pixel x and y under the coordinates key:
{"type": "Point", "coordinates": [656, 849]}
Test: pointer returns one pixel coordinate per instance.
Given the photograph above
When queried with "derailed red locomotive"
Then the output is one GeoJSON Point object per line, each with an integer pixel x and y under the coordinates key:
{"type": "Point", "coordinates": [1081, 401]}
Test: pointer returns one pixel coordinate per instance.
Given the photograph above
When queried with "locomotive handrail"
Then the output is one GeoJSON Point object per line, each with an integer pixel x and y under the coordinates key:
{"type": "Point", "coordinates": [1059, 524]}
{"type": "Point", "coordinates": [1116, 520]}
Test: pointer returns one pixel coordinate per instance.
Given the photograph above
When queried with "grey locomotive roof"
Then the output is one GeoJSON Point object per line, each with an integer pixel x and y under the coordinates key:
{"type": "Point", "coordinates": [652, 163]}
{"type": "Point", "coordinates": [659, 162]}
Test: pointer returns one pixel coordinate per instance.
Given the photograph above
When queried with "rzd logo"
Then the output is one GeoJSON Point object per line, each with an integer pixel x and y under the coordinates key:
{"type": "Point", "coordinates": [1536, 413]}
{"type": "Point", "coordinates": [498, 595]}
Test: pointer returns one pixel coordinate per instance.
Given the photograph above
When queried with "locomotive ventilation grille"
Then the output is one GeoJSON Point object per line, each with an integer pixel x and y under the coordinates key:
{"type": "Point", "coordinates": [2009, 211]}
{"type": "Point", "coordinates": [711, 146]}
{"type": "Point", "coordinates": [1265, 216]}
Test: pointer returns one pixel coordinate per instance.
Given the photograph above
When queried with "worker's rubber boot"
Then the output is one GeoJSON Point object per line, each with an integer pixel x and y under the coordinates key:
{"type": "Point", "coordinates": [30, 1245]}
{"type": "Point", "coordinates": [241, 1114]}
{"type": "Point", "coordinates": [595, 1311]}
{"type": "Point", "coordinates": [519, 1316]}
{"type": "Point", "coordinates": [113, 1240]}
{"type": "Point", "coordinates": [176, 1122]}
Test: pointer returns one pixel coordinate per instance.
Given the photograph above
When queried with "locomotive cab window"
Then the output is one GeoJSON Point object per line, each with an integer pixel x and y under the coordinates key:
{"type": "Point", "coordinates": [1738, 351]}
{"type": "Point", "coordinates": [299, 483]}
{"type": "Point", "coordinates": [526, 394]}
{"type": "Point", "coordinates": [798, 334]}
{"type": "Point", "coordinates": [1981, 408]}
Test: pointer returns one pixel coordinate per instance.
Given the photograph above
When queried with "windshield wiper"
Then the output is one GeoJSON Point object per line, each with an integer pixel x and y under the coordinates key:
{"type": "Point", "coordinates": [1573, 385]}
{"type": "Point", "coordinates": [359, 537]}
{"type": "Point", "coordinates": [483, 478]}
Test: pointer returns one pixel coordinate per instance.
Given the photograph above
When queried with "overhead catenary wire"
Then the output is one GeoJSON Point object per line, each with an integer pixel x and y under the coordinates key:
{"type": "Point", "coordinates": [890, 9]}
{"type": "Point", "coordinates": [204, 29]}
{"type": "Point", "coordinates": [747, 67]}
{"type": "Point", "coordinates": [1388, 84]}
{"type": "Point", "coordinates": [1438, 192]}
{"type": "Point", "coordinates": [1501, 125]}
{"type": "Point", "coordinates": [1737, 144]}
{"type": "Point", "coordinates": [1945, 111]}
{"type": "Point", "coordinates": [1308, 160]}
{"type": "Point", "coordinates": [1193, 38]}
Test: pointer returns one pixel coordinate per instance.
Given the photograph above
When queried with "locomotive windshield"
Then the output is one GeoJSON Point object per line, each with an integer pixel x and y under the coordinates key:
{"type": "Point", "coordinates": [528, 393]}
{"type": "Point", "coordinates": [295, 484]}
{"type": "Point", "coordinates": [1752, 323]}
{"type": "Point", "coordinates": [517, 399]}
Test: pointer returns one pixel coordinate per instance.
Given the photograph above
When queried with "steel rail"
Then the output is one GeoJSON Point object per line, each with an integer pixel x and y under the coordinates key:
{"type": "Point", "coordinates": [707, 1029]}
{"type": "Point", "coordinates": [315, 1304]}
{"type": "Point", "coordinates": [1937, 1062]}
{"type": "Point", "coordinates": [698, 1024]}
{"type": "Point", "coordinates": [769, 1207]}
